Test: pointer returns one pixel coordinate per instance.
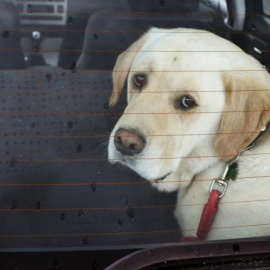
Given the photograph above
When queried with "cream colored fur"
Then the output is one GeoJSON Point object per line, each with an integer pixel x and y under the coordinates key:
{"type": "Point", "coordinates": [194, 146]}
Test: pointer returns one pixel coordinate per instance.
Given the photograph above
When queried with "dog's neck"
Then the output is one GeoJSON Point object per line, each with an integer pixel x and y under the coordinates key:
{"type": "Point", "coordinates": [209, 160]}
{"type": "Point", "coordinates": [199, 160]}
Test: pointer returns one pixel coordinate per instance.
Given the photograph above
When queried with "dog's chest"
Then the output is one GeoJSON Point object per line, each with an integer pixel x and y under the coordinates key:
{"type": "Point", "coordinates": [245, 209]}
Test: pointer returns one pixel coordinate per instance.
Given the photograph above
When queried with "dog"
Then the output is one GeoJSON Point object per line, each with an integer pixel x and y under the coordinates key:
{"type": "Point", "coordinates": [195, 100]}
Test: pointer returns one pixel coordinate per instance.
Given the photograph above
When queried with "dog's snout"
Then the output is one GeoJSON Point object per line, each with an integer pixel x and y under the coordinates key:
{"type": "Point", "coordinates": [128, 142]}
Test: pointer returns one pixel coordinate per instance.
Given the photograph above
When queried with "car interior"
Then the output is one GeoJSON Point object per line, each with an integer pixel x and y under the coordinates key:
{"type": "Point", "coordinates": [58, 192]}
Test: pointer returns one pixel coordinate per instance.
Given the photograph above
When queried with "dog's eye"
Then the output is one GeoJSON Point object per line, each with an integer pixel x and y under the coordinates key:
{"type": "Point", "coordinates": [185, 103]}
{"type": "Point", "coordinates": [139, 80]}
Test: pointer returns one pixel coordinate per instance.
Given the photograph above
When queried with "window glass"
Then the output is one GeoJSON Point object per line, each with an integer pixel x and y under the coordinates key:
{"type": "Point", "coordinates": [57, 186]}
{"type": "Point", "coordinates": [266, 7]}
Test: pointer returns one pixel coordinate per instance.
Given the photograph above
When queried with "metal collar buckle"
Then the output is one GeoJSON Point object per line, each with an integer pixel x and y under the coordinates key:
{"type": "Point", "coordinates": [220, 183]}
{"type": "Point", "coordinates": [223, 181]}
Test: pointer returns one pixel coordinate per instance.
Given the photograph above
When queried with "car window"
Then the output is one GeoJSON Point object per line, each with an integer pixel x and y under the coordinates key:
{"type": "Point", "coordinates": [116, 116]}
{"type": "Point", "coordinates": [266, 7]}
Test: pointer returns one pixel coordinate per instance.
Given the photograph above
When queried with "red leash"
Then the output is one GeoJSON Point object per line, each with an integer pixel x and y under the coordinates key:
{"type": "Point", "coordinates": [207, 217]}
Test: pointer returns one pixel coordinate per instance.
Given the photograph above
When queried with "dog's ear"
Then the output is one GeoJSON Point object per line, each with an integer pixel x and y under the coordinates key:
{"type": "Point", "coordinates": [247, 111]}
{"type": "Point", "coordinates": [122, 67]}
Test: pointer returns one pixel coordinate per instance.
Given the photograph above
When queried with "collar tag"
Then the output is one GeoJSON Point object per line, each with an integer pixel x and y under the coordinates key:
{"type": "Point", "coordinates": [231, 169]}
{"type": "Point", "coordinates": [230, 172]}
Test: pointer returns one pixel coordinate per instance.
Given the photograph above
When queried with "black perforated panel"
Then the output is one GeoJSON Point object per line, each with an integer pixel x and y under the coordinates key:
{"type": "Point", "coordinates": [56, 187]}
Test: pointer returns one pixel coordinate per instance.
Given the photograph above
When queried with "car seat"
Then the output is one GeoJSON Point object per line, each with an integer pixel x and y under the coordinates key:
{"type": "Point", "coordinates": [109, 33]}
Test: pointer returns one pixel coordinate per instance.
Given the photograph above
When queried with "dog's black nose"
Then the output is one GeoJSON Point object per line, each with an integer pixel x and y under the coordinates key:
{"type": "Point", "coordinates": [128, 142]}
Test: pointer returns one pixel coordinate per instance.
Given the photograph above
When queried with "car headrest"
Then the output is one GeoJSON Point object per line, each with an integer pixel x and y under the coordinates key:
{"type": "Point", "coordinates": [174, 6]}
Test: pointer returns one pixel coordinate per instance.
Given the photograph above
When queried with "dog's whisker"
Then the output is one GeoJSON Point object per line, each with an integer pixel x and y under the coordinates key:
{"type": "Point", "coordinates": [103, 142]}
{"type": "Point", "coordinates": [101, 138]}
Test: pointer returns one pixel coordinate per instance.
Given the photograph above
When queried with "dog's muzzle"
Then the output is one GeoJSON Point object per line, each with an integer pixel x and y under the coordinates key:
{"type": "Point", "coordinates": [129, 142]}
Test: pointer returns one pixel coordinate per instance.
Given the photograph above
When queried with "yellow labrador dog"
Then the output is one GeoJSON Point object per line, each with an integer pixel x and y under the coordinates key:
{"type": "Point", "coordinates": [195, 100]}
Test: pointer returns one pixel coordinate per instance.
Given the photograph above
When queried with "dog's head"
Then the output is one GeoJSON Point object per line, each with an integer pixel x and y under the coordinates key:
{"type": "Point", "coordinates": [192, 100]}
